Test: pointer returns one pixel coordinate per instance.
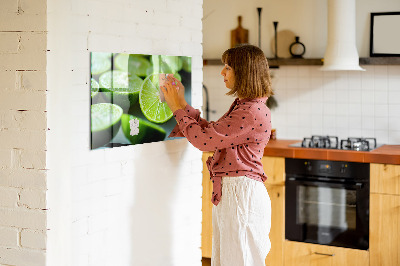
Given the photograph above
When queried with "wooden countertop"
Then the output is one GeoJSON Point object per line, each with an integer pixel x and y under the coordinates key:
{"type": "Point", "coordinates": [389, 154]}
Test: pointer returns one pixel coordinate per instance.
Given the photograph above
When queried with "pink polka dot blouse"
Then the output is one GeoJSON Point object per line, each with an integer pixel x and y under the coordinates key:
{"type": "Point", "coordinates": [238, 139]}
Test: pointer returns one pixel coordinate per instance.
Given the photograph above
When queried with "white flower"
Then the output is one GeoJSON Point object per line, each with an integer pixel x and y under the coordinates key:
{"type": "Point", "coordinates": [134, 125]}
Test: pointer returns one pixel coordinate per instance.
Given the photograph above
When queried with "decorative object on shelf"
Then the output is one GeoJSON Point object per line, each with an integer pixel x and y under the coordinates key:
{"type": "Point", "coordinates": [239, 35]}
{"type": "Point", "coordinates": [297, 49]}
{"type": "Point", "coordinates": [276, 38]}
{"type": "Point", "coordinates": [284, 40]}
{"type": "Point", "coordinates": [259, 9]}
{"type": "Point", "coordinates": [383, 40]}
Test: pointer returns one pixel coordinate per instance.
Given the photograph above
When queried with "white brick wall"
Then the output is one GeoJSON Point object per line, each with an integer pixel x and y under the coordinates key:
{"type": "Point", "coordinates": [136, 205]}
{"type": "Point", "coordinates": [23, 132]}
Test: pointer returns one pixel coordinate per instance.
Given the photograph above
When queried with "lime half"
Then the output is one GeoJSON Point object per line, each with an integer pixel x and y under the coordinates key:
{"type": "Point", "coordinates": [148, 132]}
{"type": "Point", "coordinates": [94, 88]}
{"type": "Point", "coordinates": [124, 90]}
{"type": "Point", "coordinates": [101, 62]}
{"type": "Point", "coordinates": [149, 98]}
{"type": "Point", "coordinates": [132, 63]}
{"type": "Point", "coordinates": [105, 123]}
{"type": "Point", "coordinates": [187, 63]}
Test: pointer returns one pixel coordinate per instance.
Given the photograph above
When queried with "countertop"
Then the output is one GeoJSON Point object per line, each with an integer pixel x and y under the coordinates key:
{"type": "Point", "coordinates": [389, 154]}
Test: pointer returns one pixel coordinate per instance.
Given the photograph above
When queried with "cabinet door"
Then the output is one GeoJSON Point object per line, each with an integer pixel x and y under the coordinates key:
{"type": "Point", "coordinates": [274, 168]}
{"type": "Point", "coordinates": [206, 233]}
{"type": "Point", "coordinates": [384, 230]}
{"type": "Point", "coordinates": [277, 233]}
{"type": "Point", "coordinates": [385, 178]}
{"type": "Point", "coordinates": [304, 254]}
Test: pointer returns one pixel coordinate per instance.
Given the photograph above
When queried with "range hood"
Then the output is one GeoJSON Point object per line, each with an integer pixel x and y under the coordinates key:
{"type": "Point", "coordinates": [341, 51]}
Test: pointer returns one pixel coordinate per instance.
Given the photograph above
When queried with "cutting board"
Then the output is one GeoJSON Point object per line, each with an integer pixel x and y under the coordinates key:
{"type": "Point", "coordinates": [239, 35]}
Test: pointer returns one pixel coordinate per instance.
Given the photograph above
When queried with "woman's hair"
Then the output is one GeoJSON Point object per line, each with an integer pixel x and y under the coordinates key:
{"type": "Point", "coordinates": [250, 66]}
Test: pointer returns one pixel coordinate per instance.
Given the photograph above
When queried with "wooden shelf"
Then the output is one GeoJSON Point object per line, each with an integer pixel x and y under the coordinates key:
{"type": "Point", "coordinates": [380, 61]}
{"type": "Point", "coordinates": [273, 63]}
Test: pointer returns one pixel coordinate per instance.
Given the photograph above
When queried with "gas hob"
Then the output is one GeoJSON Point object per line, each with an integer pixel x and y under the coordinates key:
{"type": "Point", "coordinates": [332, 142]}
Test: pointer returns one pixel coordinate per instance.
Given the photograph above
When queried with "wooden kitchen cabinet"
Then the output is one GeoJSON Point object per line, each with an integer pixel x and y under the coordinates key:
{"type": "Point", "coordinates": [385, 178]}
{"type": "Point", "coordinates": [384, 236]}
{"type": "Point", "coordinates": [206, 232]}
{"type": "Point", "coordinates": [274, 168]}
{"type": "Point", "coordinates": [277, 233]}
{"type": "Point", "coordinates": [305, 254]}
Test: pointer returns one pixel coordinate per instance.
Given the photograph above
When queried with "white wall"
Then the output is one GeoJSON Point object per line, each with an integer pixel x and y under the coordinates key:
{"type": "Point", "coordinates": [135, 205]}
{"type": "Point", "coordinates": [23, 133]}
{"type": "Point", "coordinates": [311, 102]}
{"type": "Point", "coordinates": [306, 19]}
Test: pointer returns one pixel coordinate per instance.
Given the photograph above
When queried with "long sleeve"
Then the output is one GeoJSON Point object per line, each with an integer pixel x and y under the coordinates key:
{"type": "Point", "coordinates": [231, 130]}
{"type": "Point", "coordinates": [193, 113]}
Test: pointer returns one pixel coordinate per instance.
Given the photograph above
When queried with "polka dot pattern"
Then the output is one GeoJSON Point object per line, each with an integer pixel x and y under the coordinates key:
{"type": "Point", "coordinates": [238, 139]}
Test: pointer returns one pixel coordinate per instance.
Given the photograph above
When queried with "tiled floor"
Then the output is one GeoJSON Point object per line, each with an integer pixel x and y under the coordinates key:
{"type": "Point", "coordinates": [206, 261]}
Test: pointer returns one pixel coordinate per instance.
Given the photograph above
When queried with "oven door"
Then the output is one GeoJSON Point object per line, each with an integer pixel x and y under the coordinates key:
{"type": "Point", "coordinates": [327, 213]}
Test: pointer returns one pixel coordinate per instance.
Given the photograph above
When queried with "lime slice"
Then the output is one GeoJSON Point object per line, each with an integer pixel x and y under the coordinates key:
{"type": "Point", "coordinates": [94, 88]}
{"type": "Point", "coordinates": [124, 90]}
{"type": "Point", "coordinates": [150, 71]}
{"type": "Point", "coordinates": [105, 123]}
{"type": "Point", "coordinates": [166, 63]}
{"type": "Point", "coordinates": [132, 63]}
{"type": "Point", "coordinates": [100, 63]}
{"type": "Point", "coordinates": [187, 63]}
{"type": "Point", "coordinates": [150, 104]}
{"type": "Point", "coordinates": [148, 132]}
{"type": "Point", "coordinates": [138, 65]}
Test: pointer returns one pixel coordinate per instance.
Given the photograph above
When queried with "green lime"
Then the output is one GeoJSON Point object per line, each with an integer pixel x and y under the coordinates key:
{"type": "Point", "coordinates": [138, 65]}
{"type": "Point", "coordinates": [94, 88]}
{"type": "Point", "coordinates": [132, 63]}
{"type": "Point", "coordinates": [100, 62]}
{"type": "Point", "coordinates": [148, 132]}
{"type": "Point", "coordinates": [149, 99]}
{"type": "Point", "coordinates": [124, 90]}
{"type": "Point", "coordinates": [166, 63]}
{"type": "Point", "coordinates": [187, 63]}
{"type": "Point", "coordinates": [121, 62]}
{"type": "Point", "coordinates": [105, 123]}
{"type": "Point", "coordinates": [163, 71]}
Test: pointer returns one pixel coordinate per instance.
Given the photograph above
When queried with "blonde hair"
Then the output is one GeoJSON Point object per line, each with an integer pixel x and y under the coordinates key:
{"type": "Point", "coordinates": [250, 66]}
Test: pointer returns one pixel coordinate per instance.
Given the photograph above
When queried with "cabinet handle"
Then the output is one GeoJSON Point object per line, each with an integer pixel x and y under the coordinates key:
{"type": "Point", "coordinates": [324, 254]}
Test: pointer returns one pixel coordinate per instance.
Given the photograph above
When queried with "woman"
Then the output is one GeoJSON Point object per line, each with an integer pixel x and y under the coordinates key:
{"type": "Point", "coordinates": [241, 213]}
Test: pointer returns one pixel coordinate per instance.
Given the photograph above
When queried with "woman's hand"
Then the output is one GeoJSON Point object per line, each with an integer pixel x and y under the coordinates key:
{"type": "Point", "coordinates": [174, 93]}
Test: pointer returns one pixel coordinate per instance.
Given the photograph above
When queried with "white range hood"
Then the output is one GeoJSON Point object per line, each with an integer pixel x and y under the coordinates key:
{"type": "Point", "coordinates": [341, 51]}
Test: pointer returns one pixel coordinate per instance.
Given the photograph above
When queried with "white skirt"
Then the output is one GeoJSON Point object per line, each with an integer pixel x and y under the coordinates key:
{"type": "Point", "coordinates": [241, 223]}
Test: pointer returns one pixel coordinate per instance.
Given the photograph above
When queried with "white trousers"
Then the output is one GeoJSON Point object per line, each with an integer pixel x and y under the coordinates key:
{"type": "Point", "coordinates": [241, 223]}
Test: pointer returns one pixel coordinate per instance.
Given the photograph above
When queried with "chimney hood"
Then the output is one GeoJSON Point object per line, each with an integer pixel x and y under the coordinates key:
{"type": "Point", "coordinates": [341, 51]}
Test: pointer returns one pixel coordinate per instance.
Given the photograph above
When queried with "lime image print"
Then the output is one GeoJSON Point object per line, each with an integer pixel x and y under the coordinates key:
{"type": "Point", "coordinates": [126, 105]}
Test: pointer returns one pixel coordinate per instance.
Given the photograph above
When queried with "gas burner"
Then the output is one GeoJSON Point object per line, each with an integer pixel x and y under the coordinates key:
{"type": "Point", "coordinates": [358, 144]}
{"type": "Point", "coordinates": [327, 142]}
{"type": "Point", "coordinates": [332, 142]}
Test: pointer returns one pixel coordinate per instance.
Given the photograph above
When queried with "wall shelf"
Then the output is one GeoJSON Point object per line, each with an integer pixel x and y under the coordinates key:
{"type": "Point", "coordinates": [274, 63]}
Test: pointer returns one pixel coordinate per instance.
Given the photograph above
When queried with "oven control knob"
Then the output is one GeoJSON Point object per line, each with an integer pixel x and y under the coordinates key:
{"type": "Point", "coordinates": [343, 168]}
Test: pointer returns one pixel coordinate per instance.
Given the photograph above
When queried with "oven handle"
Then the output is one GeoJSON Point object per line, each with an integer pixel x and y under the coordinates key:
{"type": "Point", "coordinates": [357, 185]}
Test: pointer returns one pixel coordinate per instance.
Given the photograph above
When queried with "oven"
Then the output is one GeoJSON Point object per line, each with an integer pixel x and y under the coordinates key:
{"type": "Point", "coordinates": [327, 202]}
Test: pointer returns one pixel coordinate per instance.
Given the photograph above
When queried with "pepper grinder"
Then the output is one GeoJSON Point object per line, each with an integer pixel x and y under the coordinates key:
{"type": "Point", "coordinates": [276, 38]}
